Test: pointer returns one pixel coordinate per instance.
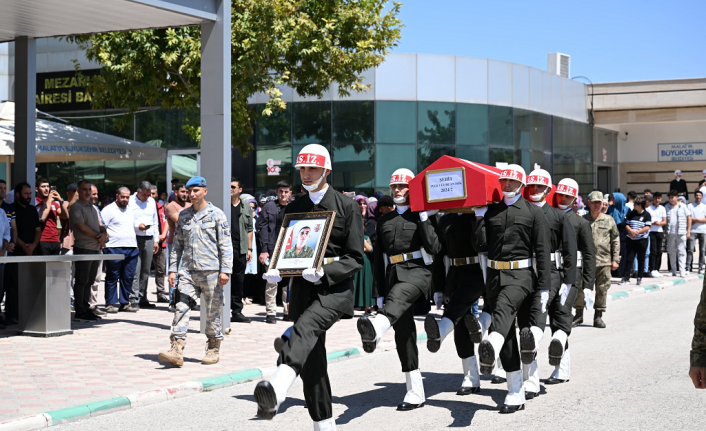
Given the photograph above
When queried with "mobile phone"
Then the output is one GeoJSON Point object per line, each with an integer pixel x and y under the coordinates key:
{"type": "Point", "coordinates": [147, 226]}
{"type": "Point", "coordinates": [52, 188]}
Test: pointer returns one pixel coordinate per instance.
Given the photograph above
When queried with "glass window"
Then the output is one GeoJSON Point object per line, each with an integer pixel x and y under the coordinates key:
{"type": "Point", "coordinates": [471, 124]}
{"type": "Point", "coordinates": [522, 120]}
{"type": "Point", "coordinates": [396, 122]}
{"type": "Point", "coordinates": [353, 122]}
{"type": "Point", "coordinates": [389, 157]}
{"type": "Point", "coordinates": [120, 173]}
{"type": "Point", "coordinates": [59, 174]}
{"type": "Point", "coordinates": [501, 155]}
{"type": "Point", "coordinates": [93, 171]}
{"type": "Point", "coordinates": [150, 170]}
{"type": "Point", "coordinates": [478, 154]}
{"type": "Point", "coordinates": [429, 153]}
{"type": "Point", "coordinates": [126, 131]}
{"type": "Point", "coordinates": [95, 124]}
{"type": "Point", "coordinates": [541, 132]}
{"type": "Point", "coordinates": [164, 128]}
{"type": "Point", "coordinates": [274, 129]}
{"type": "Point", "coordinates": [500, 126]}
{"type": "Point", "coordinates": [273, 156]}
{"type": "Point", "coordinates": [436, 123]}
{"type": "Point", "coordinates": [353, 167]}
{"type": "Point", "coordinates": [311, 122]}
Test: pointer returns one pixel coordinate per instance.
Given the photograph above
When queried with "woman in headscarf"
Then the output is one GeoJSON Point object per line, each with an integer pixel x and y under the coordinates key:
{"type": "Point", "coordinates": [363, 279]}
{"type": "Point", "coordinates": [619, 211]}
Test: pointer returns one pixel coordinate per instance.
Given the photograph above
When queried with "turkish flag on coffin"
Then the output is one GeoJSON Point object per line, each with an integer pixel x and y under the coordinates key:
{"type": "Point", "coordinates": [451, 184]}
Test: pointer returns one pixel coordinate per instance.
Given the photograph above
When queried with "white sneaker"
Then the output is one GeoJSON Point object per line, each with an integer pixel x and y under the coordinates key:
{"type": "Point", "coordinates": [655, 274]}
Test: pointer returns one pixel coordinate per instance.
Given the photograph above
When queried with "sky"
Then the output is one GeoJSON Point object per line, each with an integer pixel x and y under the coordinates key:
{"type": "Point", "coordinates": [608, 41]}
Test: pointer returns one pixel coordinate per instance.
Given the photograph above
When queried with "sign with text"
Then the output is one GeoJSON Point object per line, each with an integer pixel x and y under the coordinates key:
{"type": "Point", "coordinates": [64, 91]}
{"type": "Point", "coordinates": [688, 152]}
{"type": "Point", "coordinates": [446, 184]}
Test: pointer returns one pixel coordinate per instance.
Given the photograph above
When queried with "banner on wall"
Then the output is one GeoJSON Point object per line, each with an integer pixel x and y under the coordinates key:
{"type": "Point", "coordinates": [685, 152]}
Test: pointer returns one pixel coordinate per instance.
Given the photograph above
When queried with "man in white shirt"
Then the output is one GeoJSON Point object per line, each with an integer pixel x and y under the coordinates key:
{"type": "Point", "coordinates": [698, 231]}
{"type": "Point", "coordinates": [678, 230]}
{"type": "Point", "coordinates": [119, 221]}
{"type": "Point", "coordinates": [146, 226]}
{"type": "Point", "coordinates": [659, 219]}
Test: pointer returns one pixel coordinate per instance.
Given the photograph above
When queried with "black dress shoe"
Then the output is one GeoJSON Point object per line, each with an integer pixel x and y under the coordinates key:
{"type": "Point", "coordinates": [367, 335]}
{"type": "Point", "coordinates": [486, 357]}
{"type": "Point", "coordinates": [266, 400]}
{"type": "Point", "coordinates": [431, 326]}
{"type": "Point", "coordinates": [527, 345]}
{"type": "Point", "coordinates": [239, 318]}
{"type": "Point", "coordinates": [163, 299]}
{"type": "Point", "coordinates": [474, 328]}
{"type": "Point", "coordinates": [505, 409]}
{"type": "Point", "coordinates": [280, 342]}
{"type": "Point", "coordinates": [285, 317]}
{"type": "Point", "coordinates": [531, 395]}
{"type": "Point", "coordinates": [555, 381]}
{"type": "Point", "coordinates": [146, 304]}
{"type": "Point", "coordinates": [467, 391]}
{"type": "Point", "coordinates": [497, 380]}
{"type": "Point", "coordinates": [196, 307]}
{"type": "Point", "coordinates": [404, 406]}
{"type": "Point", "coordinates": [271, 319]}
{"type": "Point", "coordinates": [10, 321]}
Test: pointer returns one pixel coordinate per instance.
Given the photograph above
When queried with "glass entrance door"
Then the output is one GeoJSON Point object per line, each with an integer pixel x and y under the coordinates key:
{"type": "Point", "coordinates": [604, 178]}
{"type": "Point", "coordinates": [182, 165]}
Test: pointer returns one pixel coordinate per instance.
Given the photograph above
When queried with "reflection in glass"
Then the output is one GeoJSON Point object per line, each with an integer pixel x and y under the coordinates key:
{"type": "Point", "coordinates": [471, 124]}
{"type": "Point", "coordinates": [152, 171]}
{"type": "Point", "coordinates": [522, 129]}
{"type": "Point", "coordinates": [113, 128]}
{"type": "Point", "coordinates": [396, 122]}
{"type": "Point", "coordinates": [273, 156]}
{"type": "Point", "coordinates": [353, 167]}
{"type": "Point", "coordinates": [541, 132]}
{"type": "Point", "coordinates": [311, 122]}
{"type": "Point", "coordinates": [93, 171]}
{"type": "Point", "coordinates": [274, 129]}
{"type": "Point", "coordinates": [501, 155]}
{"type": "Point", "coordinates": [120, 173]}
{"type": "Point", "coordinates": [500, 126]}
{"type": "Point", "coordinates": [353, 121]}
{"type": "Point", "coordinates": [478, 154]}
{"type": "Point", "coordinates": [429, 153]}
{"type": "Point", "coordinates": [163, 128]}
{"type": "Point", "coordinates": [389, 157]}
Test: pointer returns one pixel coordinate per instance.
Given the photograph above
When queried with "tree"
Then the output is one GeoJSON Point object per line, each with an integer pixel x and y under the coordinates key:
{"type": "Point", "coordinates": [307, 44]}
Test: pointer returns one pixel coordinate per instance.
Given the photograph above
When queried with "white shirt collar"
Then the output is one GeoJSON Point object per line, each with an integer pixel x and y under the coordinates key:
{"type": "Point", "coordinates": [510, 201]}
{"type": "Point", "coordinates": [401, 209]}
{"type": "Point", "coordinates": [539, 204]}
{"type": "Point", "coordinates": [317, 196]}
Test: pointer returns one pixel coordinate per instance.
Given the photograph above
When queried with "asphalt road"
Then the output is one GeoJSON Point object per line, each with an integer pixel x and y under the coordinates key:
{"type": "Point", "coordinates": [630, 376]}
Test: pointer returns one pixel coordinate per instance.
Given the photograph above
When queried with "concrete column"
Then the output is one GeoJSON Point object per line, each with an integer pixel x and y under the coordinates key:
{"type": "Point", "coordinates": [216, 121]}
{"type": "Point", "coordinates": [25, 110]}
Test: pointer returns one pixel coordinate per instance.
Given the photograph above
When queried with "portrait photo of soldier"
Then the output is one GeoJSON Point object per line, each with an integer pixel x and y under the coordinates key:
{"type": "Point", "coordinates": [299, 249]}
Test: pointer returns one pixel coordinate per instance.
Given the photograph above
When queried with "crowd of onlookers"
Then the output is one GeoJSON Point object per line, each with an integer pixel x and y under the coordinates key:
{"type": "Point", "coordinates": [140, 225]}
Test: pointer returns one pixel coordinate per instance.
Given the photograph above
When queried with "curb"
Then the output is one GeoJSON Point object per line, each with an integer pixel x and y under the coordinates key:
{"type": "Point", "coordinates": [97, 408]}
{"type": "Point", "coordinates": [652, 287]}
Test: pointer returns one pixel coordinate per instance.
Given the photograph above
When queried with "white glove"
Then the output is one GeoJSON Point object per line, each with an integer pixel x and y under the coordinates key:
{"type": "Point", "coordinates": [564, 292]}
{"type": "Point", "coordinates": [272, 276]}
{"type": "Point", "coordinates": [544, 298]}
{"type": "Point", "coordinates": [381, 300]}
{"type": "Point", "coordinates": [480, 211]}
{"type": "Point", "coordinates": [311, 275]}
{"type": "Point", "coordinates": [438, 299]}
{"type": "Point", "coordinates": [588, 298]}
{"type": "Point", "coordinates": [424, 215]}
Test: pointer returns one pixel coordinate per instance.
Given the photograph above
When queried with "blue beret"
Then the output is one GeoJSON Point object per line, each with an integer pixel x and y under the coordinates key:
{"type": "Point", "coordinates": [196, 181]}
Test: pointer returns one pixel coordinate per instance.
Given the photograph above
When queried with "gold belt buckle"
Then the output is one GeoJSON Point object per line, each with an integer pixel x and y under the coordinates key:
{"type": "Point", "coordinates": [329, 260]}
{"type": "Point", "coordinates": [502, 265]}
{"type": "Point", "coordinates": [397, 258]}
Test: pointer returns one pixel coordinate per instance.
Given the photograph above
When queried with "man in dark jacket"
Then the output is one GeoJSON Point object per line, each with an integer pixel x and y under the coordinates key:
{"type": "Point", "coordinates": [269, 218]}
{"type": "Point", "coordinates": [512, 232]}
{"type": "Point", "coordinates": [402, 278]}
{"type": "Point", "coordinates": [679, 185]}
{"type": "Point", "coordinates": [319, 298]}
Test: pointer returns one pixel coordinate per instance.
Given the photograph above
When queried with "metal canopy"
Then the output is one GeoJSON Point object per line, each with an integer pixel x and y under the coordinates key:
{"type": "Point", "coordinates": [47, 18]}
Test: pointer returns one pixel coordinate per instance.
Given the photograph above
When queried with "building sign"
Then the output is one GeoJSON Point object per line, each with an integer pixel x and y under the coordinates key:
{"type": "Point", "coordinates": [446, 184]}
{"type": "Point", "coordinates": [273, 168]}
{"type": "Point", "coordinates": [689, 152]}
{"type": "Point", "coordinates": [64, 91]}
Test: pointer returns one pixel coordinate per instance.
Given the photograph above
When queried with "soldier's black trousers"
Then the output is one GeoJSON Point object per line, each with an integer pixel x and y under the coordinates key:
{"type": "Point", "coordinates": [505, 301]}
{"type": "Point", "coordinates": [399, 309]}
{"type": "Point", "coordinates": [470, 287]}
{"type": "Point", "coordinates": [560, 316]}
{"type": "Point", "coordinates": [305, 352]}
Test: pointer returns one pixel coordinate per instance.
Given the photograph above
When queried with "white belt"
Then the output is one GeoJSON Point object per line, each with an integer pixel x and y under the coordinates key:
{"type": "Point", "coordinates": [556, 258]}
{"type": "Point", "coordinates": [405, 257]}
{"type": "Point", "coordinates": [515, 264]}
{"type": "Point", "coordinates": [328, 260]}
{"type": "Point", "coordinates": [579, 259]}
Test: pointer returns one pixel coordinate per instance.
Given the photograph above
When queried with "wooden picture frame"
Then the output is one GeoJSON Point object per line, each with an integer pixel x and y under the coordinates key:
{"type": "Point", "coordinates": [296, 251]}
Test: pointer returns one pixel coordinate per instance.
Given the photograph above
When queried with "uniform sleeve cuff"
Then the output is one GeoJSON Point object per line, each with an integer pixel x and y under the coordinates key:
{"type": "Point", "coordinates": [698, 359]}
{"type": "Point", "coordinates": [226, 271]}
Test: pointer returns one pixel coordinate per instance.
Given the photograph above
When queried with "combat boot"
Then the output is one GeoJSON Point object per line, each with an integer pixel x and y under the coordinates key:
{"type": "Point", "coordinates": [578, 317]}
{"type": "Point", "coordinates": [213, 348]}
{"type": "Point", "coordinates": [175, 355]}
{"type": "Point", "coordinates": [597, 320]}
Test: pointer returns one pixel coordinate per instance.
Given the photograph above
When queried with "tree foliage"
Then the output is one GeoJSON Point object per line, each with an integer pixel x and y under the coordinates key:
{"type": "Point", "coordinates": [306, 44]}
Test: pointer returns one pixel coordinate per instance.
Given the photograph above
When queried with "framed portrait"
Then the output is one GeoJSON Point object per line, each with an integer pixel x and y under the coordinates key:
{"type": "Point", "coordinates": [302, 242]}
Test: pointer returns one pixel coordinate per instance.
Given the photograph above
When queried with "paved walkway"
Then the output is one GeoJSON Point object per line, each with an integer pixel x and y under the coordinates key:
{"type": "Point", "coordinates": [118, 357]}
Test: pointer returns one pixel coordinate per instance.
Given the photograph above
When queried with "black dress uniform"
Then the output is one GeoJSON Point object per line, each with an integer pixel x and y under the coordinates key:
{"type": "Point", "coordinates": [314, 308]}
{"type": "Point", "coordinates": [586, 263]}
{"type": "Point", "coordinates": [512, 233]}
{"type": "Point", "coordinates": [563, 240]}
{"type": "Point", "coordinates": [404, 282]}
{"type": "Point", "coordinates": [463, 284]}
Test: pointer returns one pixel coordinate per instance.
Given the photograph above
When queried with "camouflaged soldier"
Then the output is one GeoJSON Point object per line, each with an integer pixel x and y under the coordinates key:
{"type": "Point", "coordinates": [202, 256]}
{"type": "Point", "coordinates": [607, 242]}
{"type": "Point", "coordinates": [697, 372]}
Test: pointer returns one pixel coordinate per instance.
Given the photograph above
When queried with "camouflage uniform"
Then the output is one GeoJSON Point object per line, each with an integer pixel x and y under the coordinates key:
{"type": "Point", "coordinates": [698, 344]}
{"type": "Point", "coordinates": [607, 241]}
{"type": "Point", "coordinates": [305, 252]}
{"type": "Point", "coordinates": [202, 249]}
